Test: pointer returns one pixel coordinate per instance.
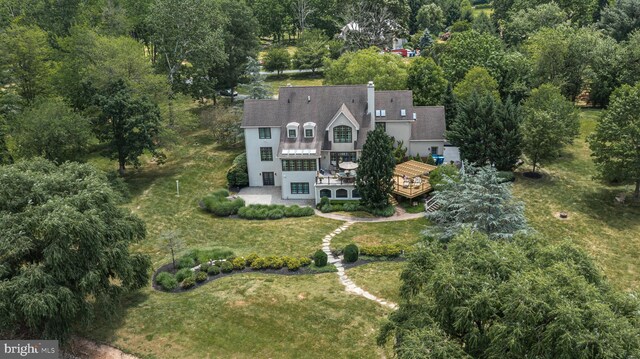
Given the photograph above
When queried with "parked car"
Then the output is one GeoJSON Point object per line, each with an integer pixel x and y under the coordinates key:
{"type": "Point", "coordinates": [227, 92]}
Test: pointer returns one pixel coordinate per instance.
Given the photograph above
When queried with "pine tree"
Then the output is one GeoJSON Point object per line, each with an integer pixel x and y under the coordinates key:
{"type": "Point", "coordinates": [375, 170]}
{"type": "Point", "coordinates": [479, 201]}
{"type": "Point", "coordinates": [257, 87]}
{"type": "Point", "coordinates": [426, 41]}
{"type": "Point", "coordinates": [509, 144]}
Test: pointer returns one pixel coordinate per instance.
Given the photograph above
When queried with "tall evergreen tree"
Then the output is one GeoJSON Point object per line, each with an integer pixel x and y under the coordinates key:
{"type": "Point", "coordinates": [256, 87]}
{"type": "Point", "coordinates": [509, 144]}
{"type": "Point", "coordinates": [375, 170]}
{"type": "Point", "coordinates": [65, 248]}
{"type": "Point", "coordinates": [477, 200]}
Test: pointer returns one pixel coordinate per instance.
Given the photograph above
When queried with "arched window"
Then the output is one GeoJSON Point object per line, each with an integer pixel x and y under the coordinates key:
{"type": "Point", "coordinates": [325, 193]}
{"type": "Point", "coordinates": [342, 193]}
{"type": "Point", "coordinates": [355, 194]}
{"type": "Point", "coordinates": [342, 134]}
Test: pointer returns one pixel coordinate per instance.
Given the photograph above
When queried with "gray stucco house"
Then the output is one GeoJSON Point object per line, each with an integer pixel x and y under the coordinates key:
{"type": "Point", "coordinates": [307, 130]}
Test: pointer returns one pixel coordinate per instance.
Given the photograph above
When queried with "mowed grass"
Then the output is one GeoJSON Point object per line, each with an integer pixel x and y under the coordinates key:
{"type": "Point", "coordinates": [401, 232]}
{"type": "Point", "coordinates": [295, 79]}
{"type": "Point", "coordinates": [249, 316]}
{"type": "Point", "coordinates": [381, 279]}
{"type": "Point", "coordinates": [610, 232]}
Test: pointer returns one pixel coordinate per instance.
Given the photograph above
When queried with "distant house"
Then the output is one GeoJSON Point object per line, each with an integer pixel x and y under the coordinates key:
{"type": "Point", "coordinates": [298, 141]}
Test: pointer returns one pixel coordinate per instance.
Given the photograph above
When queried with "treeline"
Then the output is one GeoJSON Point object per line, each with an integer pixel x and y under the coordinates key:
{"type": "Point", "coordinates": [78, 73]}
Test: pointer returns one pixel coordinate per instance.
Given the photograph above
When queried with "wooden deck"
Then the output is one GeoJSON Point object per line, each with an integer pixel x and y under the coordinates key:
{"type": "Point", "coordinates": [413, 190]}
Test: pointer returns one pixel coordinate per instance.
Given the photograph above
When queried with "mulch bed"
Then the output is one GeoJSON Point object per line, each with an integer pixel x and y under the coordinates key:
{"type": "Point", "coordinates": [532, 175]}
{"type": "Point", "coordinates": [283, 271]}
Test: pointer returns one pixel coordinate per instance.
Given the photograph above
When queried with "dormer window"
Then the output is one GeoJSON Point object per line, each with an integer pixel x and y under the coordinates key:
{"type": "Point", "coordinates": [292, 129]}
{"type": "Point", "coordinates": [309, 129]}
{"type": "Point", "coordinates": [403, 112]}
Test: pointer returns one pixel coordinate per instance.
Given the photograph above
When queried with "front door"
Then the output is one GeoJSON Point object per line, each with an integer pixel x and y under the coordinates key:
{"type": "Point", "coordinates": [267, 179]}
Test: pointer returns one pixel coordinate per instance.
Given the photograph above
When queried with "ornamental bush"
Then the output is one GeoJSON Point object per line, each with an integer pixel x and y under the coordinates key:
{"type": "Point", "coordinates": [201, 277]}
{"type": "Point", "coordinates": [166, 281]}
{"type": "Point", "coordinates": [250, 258]}
{"type": "Point", "coordinates": [183, 273]}
{"type": "Point", "coordinates": [259, 263]}
{"type": "Point", "coordinates": [239, 263]}
{"type": "Point", "coordinates": [293, 264]}
{"type": "Point", "coordinates": [320, 258]}
{"type": "Point", "coordinates": [186, 262]}
{"type": "Point", "coordinates": [384, 250]}
{"type": "Point", "coordinates": [350, 253]}
{"type": "Point", "coordinates": [204, 267]}
{"type": "Point", "coordinates": [188, 282]}
{"type": "Point", "coordinates": [213, 270]}
{"type": "Point", "coordinates": [218, 203]}
{"type": "Point", "coordinates": [304, 261]}
{"type": "Point", "coordinates": [275, 262]}
{"type": "Point", "coordinates": [226, 267]}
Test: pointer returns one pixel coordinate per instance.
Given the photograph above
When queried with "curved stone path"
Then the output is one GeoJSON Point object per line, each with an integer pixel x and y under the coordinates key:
{"type": "Point", "coordinates": [399, 216]}
{"type": "Point", "coordinates": [342, 275]}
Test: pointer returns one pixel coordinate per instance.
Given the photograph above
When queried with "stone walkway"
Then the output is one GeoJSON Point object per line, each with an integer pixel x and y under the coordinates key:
{"type": "Point", "coordinates": [399, 216]}
{"type": "Point", "coordinates": [342, 275]}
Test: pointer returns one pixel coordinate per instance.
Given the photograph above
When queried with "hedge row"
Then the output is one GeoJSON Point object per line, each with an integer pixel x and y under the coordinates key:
{"type": "Point", "coordinates": [274, 211]}
{"type": "Point", "coordinates": [383, 250]}
{"type": "Point", "coordinates": [326, 206]}
{"type": "Point", "coordinates": [218, 203]}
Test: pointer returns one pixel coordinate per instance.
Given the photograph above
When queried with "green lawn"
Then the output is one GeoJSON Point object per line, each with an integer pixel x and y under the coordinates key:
{"type": "Point", "coordinates": [381, 279]}
{"type": "Point", "coordinates": [299, 79]}
{"type": "Point", "coordinates": [403, 232]}
{"type": "Point", "coordinates": [609, 232]}
{"type": "Point", "coordinates": [249, 316]}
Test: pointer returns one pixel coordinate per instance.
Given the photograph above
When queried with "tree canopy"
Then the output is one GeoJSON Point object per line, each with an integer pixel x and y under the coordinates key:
{"type": "Point", "coordinates": [426, 80]}
{"type": "Point", "coordinates": [615, 142]}
{"type": "Point", "coordinates": [529, 297]}
{"type": "Point", "coordinates": [65, 248]}
{"type": "Point", "coordinates": [476, 80]}
{"type": "Point", "coordinates": [386, 70]}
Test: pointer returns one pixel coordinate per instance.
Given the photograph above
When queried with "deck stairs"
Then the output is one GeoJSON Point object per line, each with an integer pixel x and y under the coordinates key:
{"type": "Point", "coordinates": [432, 205]}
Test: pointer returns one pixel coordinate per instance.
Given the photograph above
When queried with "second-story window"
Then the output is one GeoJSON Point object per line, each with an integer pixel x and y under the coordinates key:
{"type": "Point", "coordinates": [342, 134]}
{"type": "Point", "coordinates": [308, 132]}
{"type": "Point", "coordinates": [264, 133]}
{"type": "Point", "coordinates": [266, 154]}
{"type": "Point", "coordinates": [292, 133]}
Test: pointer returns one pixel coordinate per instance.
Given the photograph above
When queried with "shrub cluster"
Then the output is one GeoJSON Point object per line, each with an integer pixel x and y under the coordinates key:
{"type": "Point", "coordinates": [274, 211]}
{"type": "Point", "coordinates": [183, 274]}
{"type": "Point", "coordinates": [276, 262]}
{"type": "Point", "coordinates": [201, 277]}
{"type": "Point", "coordinates": [226, 267]}
{"type": "Point", "coordinates": [238, 175]}
{"type": "Point", "coordinates": [213, 270]}
{"type": "Point", "coordinates": [351, 253]}
{"type": "Point", "coordinates": [218, 203]}
{"type": "Point", "coordinates": [239, 263]}
{"type": "Point", "coordinates": [384, 250]}
{"type": "Point", "coordinates": [326, 206]}
{"type": "Point", "coordinates": [188, 282]}
{"type": "Point", "coordinates": [166, 281]}
{"type": "Point", "coordinates": [320, 258]}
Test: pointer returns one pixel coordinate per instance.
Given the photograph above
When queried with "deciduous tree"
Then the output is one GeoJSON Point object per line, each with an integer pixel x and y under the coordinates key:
{"type": "Point", "coordinates": [550, 123]}
{"type": "Point", "coordinates": [426, 80]}
{"type": "Point", "coordinates": [312, 50]}
{"type": "Point", "coordinates": [620, 18]}
{"type": "Point", "coordinates": [128, 125]}
{"type": "Point", "coordinates": [432, 17]}
{"type": "Point", "coordinates": [65, 248]}
{"type": "Point", "coordinates": [477, 80]}
{"type": "Point", "coordinates": [387, 71]}
{"type": "Point", "coordinates": [530, 297]}
{"type": "Point", "coordinates": [375, 170]}
{"type": "Point", "coordinates": [49, 128]}
{"type": "Point", "coordinates": [616, 141]}
{"type": "Point", "coordinates": [277, 59]}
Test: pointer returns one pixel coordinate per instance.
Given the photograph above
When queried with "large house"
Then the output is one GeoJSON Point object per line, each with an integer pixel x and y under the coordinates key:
{"type": "Point", "coordinates": [298, 140]}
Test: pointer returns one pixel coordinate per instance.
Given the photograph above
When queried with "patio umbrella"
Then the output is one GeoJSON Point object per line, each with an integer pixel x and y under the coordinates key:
{"type": "Point", "coordinates": [348, 165]}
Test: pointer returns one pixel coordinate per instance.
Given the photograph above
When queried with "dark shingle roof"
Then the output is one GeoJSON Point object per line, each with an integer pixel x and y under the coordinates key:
{"type": "Point", "coordinates": [430, 123]}
{"type": "Point", "coordinates": [319, 104]}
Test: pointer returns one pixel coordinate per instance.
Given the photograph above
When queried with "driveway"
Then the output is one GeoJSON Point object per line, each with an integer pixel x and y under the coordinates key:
{"type": "Point", "coordinates": [270, 195]}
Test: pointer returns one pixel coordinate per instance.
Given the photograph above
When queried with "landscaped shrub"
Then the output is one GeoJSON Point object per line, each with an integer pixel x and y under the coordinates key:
{"type": "Point", "coordinates": [239, 263]}
{"type": "Point", "coordinates": [213, 270]}
{"type": "Point", "coordinates": [238, 175]}
{"type": "Point", "coordinates": [218, 204]}
{"type": "Point", "coordinates": [250, 258]}
{"type": "Point", "coordinates": [226, 267]}
{"type": "Point", "coordinates": [351, 207]}
{"type": "Point", "coordinates": [259, 263]}
{"type": "Point", "coordinates": [320, 258]}
{"type": "Point", "coordinates": [201, 277]}
{"type": "Point", "coordinates": [297, 211]}
{"type": "Point", "coordinates": [183, 273]}
{"type": "Point", "coordinates": [186, 262]}
{"type": "Point", "coordinates": [384, 250]}
{"type": "Point", "coordinates": [275, 262]}
{"type": "Point", "coordinates": [275, 214]}
{"type": "Point", "coordinates": [304, 261]}
{"type": "Point", "coordinates": [166, 281]}
{"type": "Point", "coordinates": [350, 253]}
{"type": "Point", "coordinates": [323, 202]}
{"type": "Point", "coordinates": [384, 212]}
{"type": "Point", "coordinates": [505, 176]}
{"type": "Point", "coordinates": [204, 267]}
{"type": "Point", "coordinates": [274, 211]}
{"type": "Point", "coordinates": [292, 264]}
{"type": "Point", "coordinates": [188, 282]}
{"type": "Point", "coordinates": [326, 208]}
